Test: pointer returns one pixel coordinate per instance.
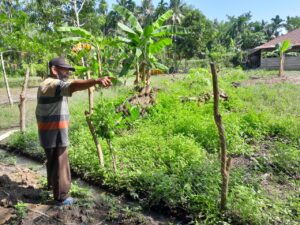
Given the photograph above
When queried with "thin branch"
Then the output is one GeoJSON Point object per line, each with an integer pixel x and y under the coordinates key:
{"type": "Point", "coordinates": [81, 6]}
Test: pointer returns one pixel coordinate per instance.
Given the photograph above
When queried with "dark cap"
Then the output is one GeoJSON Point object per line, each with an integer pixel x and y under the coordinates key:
{"type": "Point", "coordinates": [60, 62]}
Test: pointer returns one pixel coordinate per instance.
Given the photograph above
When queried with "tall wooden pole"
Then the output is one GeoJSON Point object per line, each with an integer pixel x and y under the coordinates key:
{"type": "Point", "coordinates": [95, 138]}
{"type": "Point", "coordinates": [225, 161]}
{"type": "Point", "coordinates": [22, 106]}
{"type": "Point", "coordinates": [6, 80]}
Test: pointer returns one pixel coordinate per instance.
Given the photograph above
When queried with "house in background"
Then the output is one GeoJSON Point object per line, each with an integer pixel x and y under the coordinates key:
{"type": "Point", "coordinates": [258, 58]}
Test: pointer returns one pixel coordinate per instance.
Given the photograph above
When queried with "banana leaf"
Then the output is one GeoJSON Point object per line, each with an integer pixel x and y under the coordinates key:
{"type": "Point", "coordinates": [129, 17]}
{"type": "Point", "coordinates": [159, 45]}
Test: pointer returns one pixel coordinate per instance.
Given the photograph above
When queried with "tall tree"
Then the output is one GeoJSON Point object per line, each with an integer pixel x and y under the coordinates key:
{"type": "Point", "coordinates": [274, 28]}
{"type": "Point", "coordinates": [200, 34]}
{"type": "Point", "coordinates": [103, 7]}
{"type": "Point", "coordinates": [160, 9]}
{"type": "Point", "coordinates": [177, 7]}
{"type": "Point", "coordinates": [146, 12]}
{"type": "Point", "coordinates": [292, 23]}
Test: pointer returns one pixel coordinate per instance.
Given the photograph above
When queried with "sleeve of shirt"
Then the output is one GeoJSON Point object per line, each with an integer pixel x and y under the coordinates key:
{"type": "Point", "coordinates": [63, 89]}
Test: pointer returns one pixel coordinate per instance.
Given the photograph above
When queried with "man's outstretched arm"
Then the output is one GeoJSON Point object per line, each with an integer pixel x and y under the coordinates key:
{"type": "Point", "coordinates": [79, 85]}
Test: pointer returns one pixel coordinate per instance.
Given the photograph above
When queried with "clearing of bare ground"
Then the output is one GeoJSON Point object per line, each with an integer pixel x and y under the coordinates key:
{"type": "Point", "coordinates": [24, 200]}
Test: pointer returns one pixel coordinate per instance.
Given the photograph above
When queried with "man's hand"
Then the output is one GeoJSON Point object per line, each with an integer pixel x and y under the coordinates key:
{"type": "Point", "coordinates": [104, 81]}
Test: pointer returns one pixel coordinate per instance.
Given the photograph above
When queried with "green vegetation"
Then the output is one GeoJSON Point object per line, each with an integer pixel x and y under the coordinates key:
{"type": "Point", "coordinates": [21, 209]}
{"type": "Point", "coordinates": [169, 157]}
{"type": "Point", "coordinates": [29, 31]}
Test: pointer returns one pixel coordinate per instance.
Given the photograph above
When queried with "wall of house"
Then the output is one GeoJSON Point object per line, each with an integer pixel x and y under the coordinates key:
{"type": "Point", "coordinates": [291, 63]}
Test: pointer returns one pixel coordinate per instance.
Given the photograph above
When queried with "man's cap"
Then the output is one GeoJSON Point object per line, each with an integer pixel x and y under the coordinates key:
{"type": "Point", "coordinates": [60, 62]}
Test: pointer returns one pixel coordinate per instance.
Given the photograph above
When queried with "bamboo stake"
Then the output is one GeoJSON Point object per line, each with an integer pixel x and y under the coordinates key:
{"type": "Point", "coordinates": [225, 161]}
{"type": "Point", "coordinates": [22, 106]}
{"type": "Point", "coordinates": [113, 156]}
{"type": "Point", "coordinates": [6, 80]}
{"type": "Point", "coordinates": [98, 145]}
{"type": "Point", "coordinates": [91, 95]}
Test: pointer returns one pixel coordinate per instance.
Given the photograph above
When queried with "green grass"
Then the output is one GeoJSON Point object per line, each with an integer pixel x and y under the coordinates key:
{"type": "Point", "coordinates": [18, 81]}
{"type": "Point", "coordinates": [10, 116]}
{"type": "Point", "coordinates": [170, 156]}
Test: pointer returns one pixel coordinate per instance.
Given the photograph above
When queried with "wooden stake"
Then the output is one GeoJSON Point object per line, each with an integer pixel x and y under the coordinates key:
{"type": "Point", "coordinates": [113, 156]}
{"type": "Point", "coordinates": [91, 96]}
{"type": "Point", "coordinates": [6, 80]}
{"type": "Point", "coordinates": [22, 106]}
{"type": "Point", "coordinates": [98, 146]}
{"type": "Point", "coordinates": [225, 162]}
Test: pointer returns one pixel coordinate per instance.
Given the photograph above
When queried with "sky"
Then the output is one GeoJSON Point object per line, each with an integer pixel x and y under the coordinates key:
{"type": "Point", "coordinates": [260, 9]}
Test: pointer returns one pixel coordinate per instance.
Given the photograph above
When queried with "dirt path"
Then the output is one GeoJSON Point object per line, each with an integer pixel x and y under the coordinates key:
{"type": "Point", "coordinates": [24, 200]}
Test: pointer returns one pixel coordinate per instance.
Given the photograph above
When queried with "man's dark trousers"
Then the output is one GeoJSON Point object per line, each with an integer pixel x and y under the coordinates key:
{"type": "Point", "coordinates": [58, 172]}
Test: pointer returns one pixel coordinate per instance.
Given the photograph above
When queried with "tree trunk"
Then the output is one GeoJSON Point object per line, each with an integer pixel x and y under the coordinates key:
{"type": "Point", "coordinates": [225, 162]}
{"type": "Point", "coordinates": [137, 76]}
{"type": "Point", "coordinates": [281, 67]}
{"type": "Point", "coordinates": [22, 106]}
{"type": "Point", "coordinates": [77, 11]}
{"type": "Point", "coordinates": [6, 80]}
{"type": "Point", "coordinates": [148, 77]}
{"type": "Point", "coordinates": [95, 138]}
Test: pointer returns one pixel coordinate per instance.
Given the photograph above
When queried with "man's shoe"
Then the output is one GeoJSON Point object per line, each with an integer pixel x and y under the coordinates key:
{"type": "Point", "coordinates": [67, 201]}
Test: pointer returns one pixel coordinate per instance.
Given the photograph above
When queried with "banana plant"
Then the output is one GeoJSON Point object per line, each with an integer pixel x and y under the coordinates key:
{"type": "Point", "coordinates": [88, 46]}
{"type": "Point", "coordinates": [144, 43]}
{"type": "Point", "coordinates": [282, 48]}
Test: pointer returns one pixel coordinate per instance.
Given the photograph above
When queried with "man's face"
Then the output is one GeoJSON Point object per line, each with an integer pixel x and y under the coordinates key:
{"type": "Point", "coordinates": [61, 73]}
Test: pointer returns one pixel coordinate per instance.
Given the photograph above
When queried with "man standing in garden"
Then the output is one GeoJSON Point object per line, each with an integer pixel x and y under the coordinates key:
{"type": "Point", "coordinates": [52, 115]}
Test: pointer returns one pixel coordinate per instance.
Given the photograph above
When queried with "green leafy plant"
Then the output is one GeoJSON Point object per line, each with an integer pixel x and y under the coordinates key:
{"type": "Point", "coordinates": [79, 192]}
{"type": "Point", "coordinates": [21, 209]}
{"type": "Point", "coordinates": [144, 43]}
{"type": "Point", "coordinates": [108, 123]}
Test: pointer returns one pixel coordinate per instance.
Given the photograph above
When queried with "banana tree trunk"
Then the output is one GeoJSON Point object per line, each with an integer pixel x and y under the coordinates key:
{"type": "Point", "coordinates": [22, 106]}
{"type": "Point", "coordinates": [6, 80]}
{"type": "Point", "coordinates": [281, 67]}
{"type": "Point", "coordinates": [148, 77]}
{"type": "Point", "coordinates": [137, 77]}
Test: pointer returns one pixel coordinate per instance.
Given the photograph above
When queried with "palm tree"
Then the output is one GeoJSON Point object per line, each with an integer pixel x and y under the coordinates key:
{"type": "Point", "coordinates": [146, 11]}
{"type": "Point", "coordinates": [161, 8]}
{"type": "Point", "coordinates": [177, 7]}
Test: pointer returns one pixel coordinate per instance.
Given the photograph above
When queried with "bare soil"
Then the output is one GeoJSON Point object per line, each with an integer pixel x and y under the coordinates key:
{"type": "Point", "coordinates": [20, 184]}
{"type": "Point", "coordinates": [271, 80]}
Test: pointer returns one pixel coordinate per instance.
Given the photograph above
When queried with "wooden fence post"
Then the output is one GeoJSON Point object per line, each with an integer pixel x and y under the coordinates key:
{"type": "Point", "coordinates": [6, 80]}
{"type": "Point", "coordinates": [22, 106]}
{"type": "Point", "coordinates": [225, 161]}
{"type": "Point", "coordinates": [91, 96]}
{"type": "Point", "coordinates": [96, 141]}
